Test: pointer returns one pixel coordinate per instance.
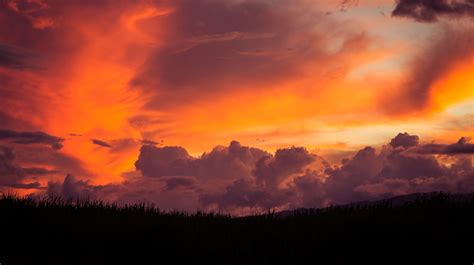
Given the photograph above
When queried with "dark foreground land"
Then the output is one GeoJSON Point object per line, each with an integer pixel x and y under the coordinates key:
{"type": "Point", "coordinates": [431, 229]}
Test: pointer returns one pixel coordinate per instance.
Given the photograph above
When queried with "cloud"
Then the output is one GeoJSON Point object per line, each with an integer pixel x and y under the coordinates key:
{"type": "Point", "coordinates": [266, 43]}
{"type": "Point", "coordinates": [450, 47]}
{"type": "Point", "coordinates": [32, 10]}
{"type": "Point", "coordinates": [188, 71]}
{"type": "Point", "coordinates": [405, 165]}
{"type": "Point", "coordinates": [13, 175]}
{"type": "Point", "coordinates": [271, 170]}
{"type": "Point", "coordinates": [101, 143]}
{"type": "Point", "coordinates": [270, 185]}
{"type": "Point", "coordinates": [457, 178]}
{"type": "Point", "coordinates": [363, 167]}
{"type": "Point", "coordinates": [369, 174]}
{"type": "Point", "coordinates": [163, 161]}
{"type": "Point", "coordinates": [177, 195]}
{"type": "Point", "coordinates": [39, 171]}
{"type": "Point", "coordinates": [404, 140]}
{"type": "Point", "coordinates": [234, 161]}
{"type": "Point", "coordinates": [39, 156]}
{"type": "Point", "coordinates": [16, 58]}
{"type": "Point", "coordinates": [462, 146]}
{"type": "Point", "coordinates": [430, 10]}
{"type": "Point", "coordinates": [239, 179]}
{"type": "Point", "coordinates": [9, 172]}
{"type": "Point", "coordinates": [241, 193]}
{"type": "Point", "coordinates": [309, 190]}
{"type": "Point", "coordinates": [36, 137]}
{"type": "Point", "coordinates": [176, 182]}
{"type": "Point", "coordinates": [149, 142]}
{"type": "Point", "coordinates": [71, 189]}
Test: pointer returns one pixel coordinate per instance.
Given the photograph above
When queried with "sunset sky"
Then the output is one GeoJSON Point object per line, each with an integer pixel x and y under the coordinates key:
{"type": "Point", "coordinates": [118, 100]}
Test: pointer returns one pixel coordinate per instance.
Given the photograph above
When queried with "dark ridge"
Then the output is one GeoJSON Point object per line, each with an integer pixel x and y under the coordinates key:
{"type": "Point", "coordinates": [435, 228]}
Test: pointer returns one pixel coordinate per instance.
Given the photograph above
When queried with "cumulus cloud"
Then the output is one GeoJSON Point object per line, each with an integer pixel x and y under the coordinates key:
{"type": "Point", "coordinates": [290, 178]}
{"type": "Point", "coordinates": [369, 174]}
{"type": "Point", "coordinates": [71, 189]}
{"type": "Point", "coordinates": [408, 171]}
{"type": "Point", "coordinates": [404, 140]}
{"type": "Point", "coordinates": [163, 161]}
{"type": "Point", "coordinates": [363, 167]}
{"type": "Point", "coordinates": [244, 195]}
{"type": "Point", "coordinates": [431, 10]}
{"type": "Point", "coordinates": [271, 170]}
{"type": "Point", "coordinates": [234, 161]}
{"type": "Point", "coordinates": [165, 193]}
{"type": "Point", "coordinates": [271, 182]}
{"type": "Point", "coordinates": [405, 165]}
{"type": "Point", "coordinates": [458, 178]}
{"type": "Point", "coordinates": [176, 182]}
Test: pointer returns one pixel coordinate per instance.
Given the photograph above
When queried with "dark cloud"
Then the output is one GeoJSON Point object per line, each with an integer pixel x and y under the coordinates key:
{"type": "Point", "coordinates": [240, 179]}
{"type": "Point", "coordinates": [9, 172]}
{"type": "Point", "coordinates": [234, 161]}
{"type": "Point", "coordinates": [38, 171]}
{"type": "Point", "coordinates": [457, 178]}
{"type": "Point", "coordinates": [101, 143]}
{"type": "Point", "coordinates": [265, 188]}
{"type": "Point", "coordinates": [212, 47]}
{"type": "Point", "coordinates": [147, 190]}
{"type": "Point", "coordinates": [8, 120]}
{"type": "Point", "coordinates": [13, 175]}
{"type": "Point", "coordinates": [430, 10]}
{"type": "Point", "coordinates": [41, 156]}
{"type": "Point", "coordinates": [36, 137]}
{"type": "Point", "coordinates": [405, 165]}
{"type": "Point", "coordinates": [163, 161]}
{"type": "Point", "coordinates": [16, 58]}
{"type": "Point", "coordinates": [71, 189]}
{"type": "Point", "coordinates": [118, 145]}
{"type": "Point", "coordinates": [460, 147]}
{"type": "Point", "coordinates": [271, 170]}
{"type": "Point", "coordinates": [31, 185]}
{"type": "Point", "coordinates": [243, 193]}
{"type": "Point", "coordinates": [309, 190]}
{"type": "Point", "coordinates": [363, 167]}
{"type": "Point", "coordinates": [404, 140]}
{"type": "Point", "coordinates": [369, 174]}
{"type": "Point", "coordinates": [149, 142]}
{"type": "Point", "coordinates": [452, 46]}
{"type": "Point", "coordinates": [175, 182]}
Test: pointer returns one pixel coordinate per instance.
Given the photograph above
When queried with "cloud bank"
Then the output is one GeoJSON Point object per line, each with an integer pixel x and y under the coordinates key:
{"type": "Point", "coordinates": [430, 10]}
{"type": "Point", "coordinates": [240, 179]}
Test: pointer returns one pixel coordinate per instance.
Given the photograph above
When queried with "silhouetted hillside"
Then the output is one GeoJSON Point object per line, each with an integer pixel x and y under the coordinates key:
{"type": "Point", "coordinates": [427, 229]}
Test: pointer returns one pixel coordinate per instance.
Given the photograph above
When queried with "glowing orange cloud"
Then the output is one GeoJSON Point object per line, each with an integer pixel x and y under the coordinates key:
{"type": "Point", "coordinates": [97, 101]}
{"type": "Point", "coordinates": [198, 74]}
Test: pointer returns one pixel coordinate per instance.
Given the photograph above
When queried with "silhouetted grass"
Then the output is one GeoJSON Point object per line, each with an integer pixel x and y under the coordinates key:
{"type": "Point", "coordinates": [434, 228]}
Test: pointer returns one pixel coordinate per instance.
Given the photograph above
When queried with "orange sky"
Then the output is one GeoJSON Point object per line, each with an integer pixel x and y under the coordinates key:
{"type": "Point", "coordinates": [198, 76]}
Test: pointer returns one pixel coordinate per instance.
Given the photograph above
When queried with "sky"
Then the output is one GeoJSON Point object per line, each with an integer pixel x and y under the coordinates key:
{"type": "Point", "coordinates": [236, 105]}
